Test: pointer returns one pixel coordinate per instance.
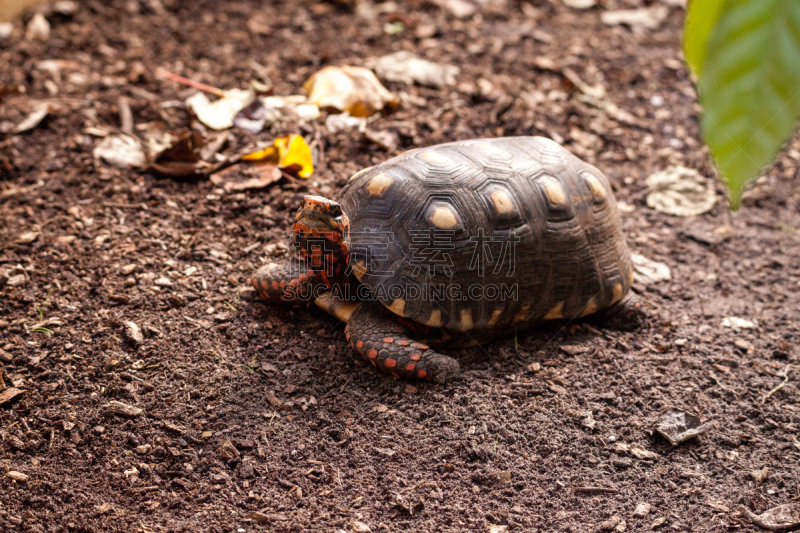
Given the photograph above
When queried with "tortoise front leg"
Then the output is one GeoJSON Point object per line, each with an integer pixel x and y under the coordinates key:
{"type": "Point", "coordinates": [375, 334]}
{"type": "Point", "coordinates": [287, 282]}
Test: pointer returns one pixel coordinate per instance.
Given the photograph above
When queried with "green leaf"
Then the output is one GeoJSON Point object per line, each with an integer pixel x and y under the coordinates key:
{"type": "Point", "coordinates": [701, 17]}
{"type": "Point", "coordinates": [750, 86]}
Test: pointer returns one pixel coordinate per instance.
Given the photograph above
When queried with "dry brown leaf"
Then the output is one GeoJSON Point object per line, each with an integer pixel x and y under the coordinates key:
{"type": "Point", "coordinates": [352, 89]}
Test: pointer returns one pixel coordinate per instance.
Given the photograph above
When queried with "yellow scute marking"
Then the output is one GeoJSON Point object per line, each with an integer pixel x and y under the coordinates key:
{"type": "Point", "coordinates": [338, 308]}
{"type": "Point", "coordinates": [434, 157]}
{"type": "Point", "coordinates": [496, 314]}
{"type": "Point", "coordinates": [465, 324]}
{"type": "Point", "coordinates": [597, 188]}
{"type": "Point", "coordinates": [556, 312]}
{"type": "Point", "coordinates": [502, 202]}
{"type": "Point", "coordinates": [398, 307]}
{"type": "Point", "coordinates": [523, 313]}
{"type": "Point", "coordinates": [616, 293]}
{"type": "Point", "coordinates": [554, 192]}
{"type": "Point", "coordinates": [435, 320]}
{"type": "Point", "coordinates": [591, 307]}
{"type": "Point", "coordinates": [379, 184]}
{"type": "Point", "coordinates": [443, 218]}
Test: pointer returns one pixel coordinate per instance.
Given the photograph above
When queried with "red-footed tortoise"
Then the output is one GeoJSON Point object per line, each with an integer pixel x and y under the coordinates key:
{"type": "Point", "coordinates": [458, 244]}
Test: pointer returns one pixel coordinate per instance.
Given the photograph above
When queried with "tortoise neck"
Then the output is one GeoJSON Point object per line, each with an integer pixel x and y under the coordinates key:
{"type": "Point", "coordinates": [325, 250]}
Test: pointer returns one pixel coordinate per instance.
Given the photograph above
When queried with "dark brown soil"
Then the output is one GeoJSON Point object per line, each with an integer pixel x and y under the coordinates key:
{"type": "Point", "coordinates": [247, 407]}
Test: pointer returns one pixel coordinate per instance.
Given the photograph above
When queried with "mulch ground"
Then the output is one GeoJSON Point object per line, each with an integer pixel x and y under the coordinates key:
{"type": "Point", "coordinates": [243, 416]}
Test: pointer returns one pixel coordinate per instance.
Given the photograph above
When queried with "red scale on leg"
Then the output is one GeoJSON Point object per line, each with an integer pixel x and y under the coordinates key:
{"type": "Point", "coordinates": [386, 343]}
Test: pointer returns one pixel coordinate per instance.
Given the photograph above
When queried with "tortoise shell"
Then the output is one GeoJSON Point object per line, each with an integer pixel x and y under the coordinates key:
{"type": "Point", "coordinates": [487, 235]}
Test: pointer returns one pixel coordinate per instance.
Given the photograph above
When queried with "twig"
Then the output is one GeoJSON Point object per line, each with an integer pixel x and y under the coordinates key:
{"type": "Point", "coordinates": [779, 387]}
{"type": "Point", "coordinates": [723, 387]}
{"type": "Point", "coordinates": [125, 115]}
{"type": "Point", "coordinates": [595, 490]}
{"type": "Point", "coordinates": [191, 83]}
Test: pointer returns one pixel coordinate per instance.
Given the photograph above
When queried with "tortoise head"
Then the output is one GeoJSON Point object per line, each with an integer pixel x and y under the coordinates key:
{"type": "Point", "coordinates": [322, 233]}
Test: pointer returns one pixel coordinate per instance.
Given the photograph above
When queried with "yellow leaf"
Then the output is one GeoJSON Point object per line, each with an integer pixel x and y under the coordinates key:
{"type": "Point", "coordinates": [290, 152]}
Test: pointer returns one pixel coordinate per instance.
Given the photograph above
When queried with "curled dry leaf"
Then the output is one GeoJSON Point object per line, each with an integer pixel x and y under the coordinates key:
{"type": "Point", "coordinates": [678, 427]}
{"type": "Point", "coordinates": [635, 450]}
{"type": "Point", "coordinates": [120, 150]}
{"type": "Point", "coordinates": [219, 114]}
{"type": "Point", "coordinates": [290, 152]}
{"type": "Point", "coordinates": [782, 517]}
{"type": "Point", "coordinates": [352, 89]}
{"type": "Point", "coordinates": [405, 67]}
{"type": "Point", "coordinates": [680, 191]}
{"type": "Point", "coordinates": [648, 272]}
{"type": "Point", "coordinates": [242, 177]}
{"type": "Point", "coordinates": [41, 109]}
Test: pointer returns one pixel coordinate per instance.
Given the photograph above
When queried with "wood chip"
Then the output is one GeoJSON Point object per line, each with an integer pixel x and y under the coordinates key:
{"type": "Point", "coordinates": [122, 409]}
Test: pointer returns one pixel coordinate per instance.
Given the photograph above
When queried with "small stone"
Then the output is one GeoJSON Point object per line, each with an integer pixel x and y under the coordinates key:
{"type": "Point", "coordinates": [642, 509]}
{"type": "Point", "coordinates": [411, 389]}
{"type": "Point", "coordinates": [127, 270]}
{"type": "Point", "coordinates": [27, 237]}
{"type": "Point", "coordinates": [65, 7]}
{"type": "Point", "coordinates": [163, 282]}
{"type": "Point", "coordinates": [38, 28]}
{"type": "Point", "coordinates": [207, 434]}
{"type": "Point", "coordinates": [138, 365]}
{"type": "Point", "coordinates": [133, 333]}
{"type": "Point", "coordinates": [17, 476]}
{"type": "Point", "coordinates": [144, 449]}
{"type": "Point", "coordinates": [360, 527]}
{"type": "Point", "coordinates": [99, 430]}
{"type": "Point", "coordinates": [6, 30]}
{"type": "Point", "coordinates": [534, 367]}
{"type": "Point", "coordinates": [233, 279]}
{"type": "Point", "coordinates": [67, 425]}
{"type": "Point", "coordinates": [130, 282]}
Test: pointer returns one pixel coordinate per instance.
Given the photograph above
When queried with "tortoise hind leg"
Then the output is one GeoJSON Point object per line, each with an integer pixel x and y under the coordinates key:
{"type": "Point", "coordinates": [625, 315]}
{"type": "Point", "coordinates": [375, 334]}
